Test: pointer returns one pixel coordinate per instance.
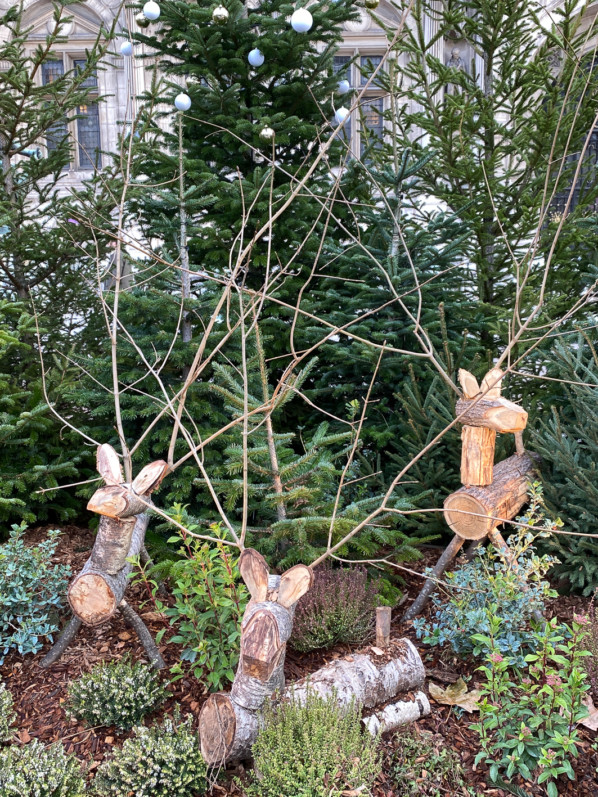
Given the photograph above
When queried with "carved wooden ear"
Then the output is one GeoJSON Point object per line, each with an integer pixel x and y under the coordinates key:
{"type": "Point", "coordinates": [293, 584]}
{"type": "Point", "coordinates": [492, 382]}
{"type": "Point", "coordinates": [149, 478]}
{"type": "Point", "coordinates": [469, 384]}
{"type": "Point", "coordinates": [254, 572]}
{"type": "Point", "coordinates": [108, 465]}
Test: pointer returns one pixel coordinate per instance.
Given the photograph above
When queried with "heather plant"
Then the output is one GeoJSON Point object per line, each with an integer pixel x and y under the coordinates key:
{"type": "Point", "coordinates": [32, 591]}
{"type": "Point", "coordinates": [528, 714]}
{"type": "Point", "coordinates": [493, 589]}
{"type": "Point", "coordinates": [313, 750]}
{"type": "Point", "coordinates": [117, 693]}
{"type": "Point", "coordinates": [423, 766]}
{"type": "Point", "coordinates": [163, 761]}
{"type": "Point", "coordinates": [209, 601]}
{"type": "Point", "coordinates": [7, 715]}
{"type": "Point", "coordinates": [37, 771]}
{"type": "Point", "coordinates": [340, 607]}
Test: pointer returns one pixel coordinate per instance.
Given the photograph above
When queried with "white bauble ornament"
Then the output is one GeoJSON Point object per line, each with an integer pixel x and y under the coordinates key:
{"type": "Point", "coordinates": [267, 134]}
{"type": "Point", "coordinates": [126, 48]}
{"type": "Point", "coordinates": [256, 57]}
{"type": "Point", "coordinates": [141, 20]}
{"type": "Point", "coordinates": [182, 102]}
{"type": "Point", "coordinates": [302, 20]}
{"type": "Point", "coordinates": [341, 115]}
{"type": "Point", "coordinates": [151, 10]}
{"type": "Point", "coordinates": [220, 15]}
{"type": "Point", "coordinates": [344, 87]}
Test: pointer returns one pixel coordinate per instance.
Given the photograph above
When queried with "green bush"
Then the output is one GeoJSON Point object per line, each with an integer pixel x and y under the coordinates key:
{"type": "Point", "coordinates": [340, 607]}
{"type": "Point", "coordinates": [209, 601]}
{"type": "Point", "coordinates": [32, 592]}
{"type": "Point", "coordinates": [117, 693]}
{"type": "Point", "coordinates": [313, 750]}
{"type": "Point", "coordinates": [163, 761]}
{"type": "Point", "coordinates": [7, 715]}
{"type": "Point", "coordinates": [38, 771]}
{"type": "Point", "coordinates": [487, 588]}
{"type": "Point", "coordinates": [422, 764]}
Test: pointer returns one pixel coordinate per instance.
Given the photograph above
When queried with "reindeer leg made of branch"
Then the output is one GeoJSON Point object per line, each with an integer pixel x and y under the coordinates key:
{"type": "Point", "coordinates": [98, 591]}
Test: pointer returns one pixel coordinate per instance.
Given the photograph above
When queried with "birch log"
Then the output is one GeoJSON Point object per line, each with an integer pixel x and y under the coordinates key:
{"type": "Point", "coordinates": [228, 729]}
{"type": "Point", "coordinates": [398, 713]}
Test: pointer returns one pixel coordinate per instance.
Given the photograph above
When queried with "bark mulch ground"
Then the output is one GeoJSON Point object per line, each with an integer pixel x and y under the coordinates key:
{"type": "Point", "coordinates": [40, 694]}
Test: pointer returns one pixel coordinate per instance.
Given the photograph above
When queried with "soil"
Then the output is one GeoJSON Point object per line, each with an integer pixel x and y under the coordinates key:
{"type": "Point", "coordinates": [40, 694]}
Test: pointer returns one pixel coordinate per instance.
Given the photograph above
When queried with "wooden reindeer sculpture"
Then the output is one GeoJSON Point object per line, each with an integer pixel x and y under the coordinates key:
{"type": "Point", "coordinates": [229, 723]}
{"type": "Point", "coordinates": [491, 494]}
{"type": "Point", "coordinates": [98, 590]}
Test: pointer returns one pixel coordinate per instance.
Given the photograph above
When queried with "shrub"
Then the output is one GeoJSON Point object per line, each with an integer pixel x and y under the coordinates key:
{"type": "Point", "coordinates": [422, 764]}
{"type": "Point", "coordinates": [32, 592]}
{"type": "Point", "coordinates": [38, 771]}
{"type": "Point", "coordinates": [487, 589]}
{"type": "Point", "coordinates": [340, 607]}
{"type": "Point", "coordinates": [528, 715]}
{"type": "Point", "coordinates": [117, 693]}
{"type": "Point", "coordinates": [163, 761]}
{"type": "Point", "coordinates": [7, 715]}
{"type": "Point", "coordinates": [313, 750]}
{"type": "Point", "coordinates": [209, 601]}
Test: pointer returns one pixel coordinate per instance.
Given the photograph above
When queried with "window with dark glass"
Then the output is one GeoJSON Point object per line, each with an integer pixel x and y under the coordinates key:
{"type": "Point", "coordinates": [340, 66]}
{"type": "Point", "coordinates": [367, 64]}
{"type": "Point", "coordinates": [55, 135]}
{"type": "Point", "coordinates": [372, 122]}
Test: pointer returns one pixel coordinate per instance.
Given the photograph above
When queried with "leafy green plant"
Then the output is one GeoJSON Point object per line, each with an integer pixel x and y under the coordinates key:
{"type": "Point", "coordinates": [32, 592]}
{"type": "Point", "coordinates": [116, 693]}
{"type": "Point", "coordinates": [340, 607]}
{"type": "Point", "coordinates": [489, 588]}
{"type": "Point", "coordinates": [37, 771]}
{"type": "Point", "coordinates": [163, 761]}
{"type": "Point", "coordinates": [313, 750]}
{"type": "Point", "coordinates": [7, 715]}
{"type": "Point", "coordinates": [422, 764]}
{"type": "Point", "coordinates": [209, 601]}
{"type": "Point", "coordinates": [528, 715]}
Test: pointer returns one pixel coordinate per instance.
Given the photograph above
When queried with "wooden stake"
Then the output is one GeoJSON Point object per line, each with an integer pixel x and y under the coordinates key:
{"type": "Point", "coordinates": [383, 626]}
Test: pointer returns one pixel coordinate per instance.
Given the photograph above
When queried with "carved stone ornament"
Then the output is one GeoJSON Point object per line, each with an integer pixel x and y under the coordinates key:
{"type": "Point", "coordinates": [360, 25]}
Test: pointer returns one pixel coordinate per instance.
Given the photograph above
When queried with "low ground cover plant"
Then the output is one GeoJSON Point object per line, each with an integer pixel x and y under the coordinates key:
{"type": "Point", "coordinates": [422, 764]}
{"type": "Point", "coordinates": [340, 607]}
{"type": "Point", "coordinates": [313, 750]}
{"type": "Point", "coordinates": [528, 715]}
{"type": "Point", "coordinates": [118, 693]}
{"type": "Point", "coordinates": [32, 591]}
{"type": "Point", "coordinates": [37, 771]}
{"type": "Point", "coordinates": [7, 715]}
{"type": "Point", "coordinates": [163, 761]}
{"type": "Point", "coordinates": [490, 589]}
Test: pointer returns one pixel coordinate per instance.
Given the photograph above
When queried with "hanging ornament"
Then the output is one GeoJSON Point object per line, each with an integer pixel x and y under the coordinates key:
{"type": "Point", "coordinates": [302, 20]}
{"type": "Point", "coordinates": [151, 10]}
{"type": "Point", "coordinates": [220, 15]}
{"type": "Point", "coordinates": [256, 57]}
{"type": "Point", "coordinates": [126, 48]}
{"type": "Point", "coordinates": [267, 134]}
{"type": "Point", "coordinates": [141, 20]}
{"type": "Point", "coordinates": [341, 115]}
{"type": "Point", "coordinates": [182, 102]}
{"type": "Point", "coordinates": [344, 87]}
{"type": "Point", "coordinates": [372, 3]}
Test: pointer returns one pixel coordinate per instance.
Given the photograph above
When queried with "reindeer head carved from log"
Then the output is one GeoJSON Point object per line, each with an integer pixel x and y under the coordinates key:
{"type": "Point", "coordinates": [268, 619]}
{"type": "Point", "coordinates": [117, 499]}
{"type": "Point", "coordinates": [483, 405]}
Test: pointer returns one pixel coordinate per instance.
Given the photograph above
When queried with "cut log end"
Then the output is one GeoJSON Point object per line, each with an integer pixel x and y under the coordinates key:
{"type": "Point", "coordinates": [261, 647]}
{"type": "Point", "coordinates": [218, 728]}
{"type": "Point", "coordinates": [91, 599]}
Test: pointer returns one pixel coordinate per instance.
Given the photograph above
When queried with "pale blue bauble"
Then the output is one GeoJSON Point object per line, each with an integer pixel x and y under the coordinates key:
{"type": "Point", "coordinates": [302, 20]}
{"type": "Point", "coordinates": [182, 102]}
{"type": "Point", "coordinates": [256, 57]}
{"type": "Point", "coordinates": [151, 10]}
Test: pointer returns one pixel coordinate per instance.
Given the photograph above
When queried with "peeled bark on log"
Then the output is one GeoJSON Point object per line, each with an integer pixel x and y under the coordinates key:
{"type": "Point", "coordinates": [228, 730]}
{"type": "Point", "coordinates": [396, 714]}
{"type": "Point", "coordinates": [494, 413]}
{"type": "Point", "coordinates": [472, 512]}
{"type": "Point", "coordinates": [477, 455]}
{"type": "Point", "coordinates": [94, 594]}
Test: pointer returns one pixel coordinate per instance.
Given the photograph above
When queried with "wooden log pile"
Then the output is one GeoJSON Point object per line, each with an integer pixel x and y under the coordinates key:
{"type": "Point", "coordinates": [491, 494]}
